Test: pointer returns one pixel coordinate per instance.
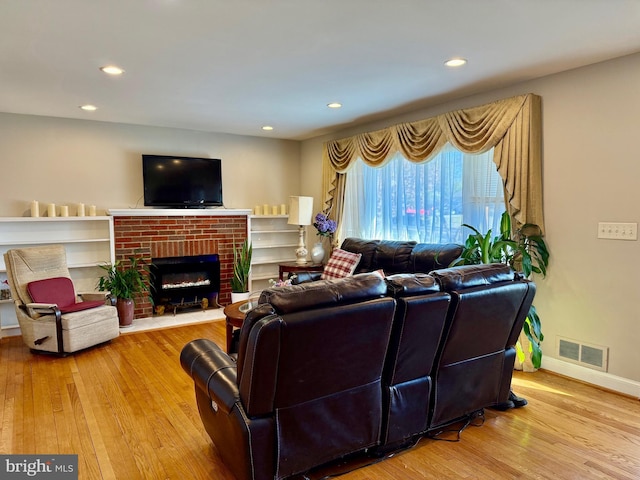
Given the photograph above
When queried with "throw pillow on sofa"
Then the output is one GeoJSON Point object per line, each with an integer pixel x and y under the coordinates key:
{"type": "Point", "coordinates": [341, 264]}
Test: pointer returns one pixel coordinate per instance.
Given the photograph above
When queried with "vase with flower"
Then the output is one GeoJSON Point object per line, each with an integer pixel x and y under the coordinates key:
{"type": "Point", "coordinates": [325, 228]}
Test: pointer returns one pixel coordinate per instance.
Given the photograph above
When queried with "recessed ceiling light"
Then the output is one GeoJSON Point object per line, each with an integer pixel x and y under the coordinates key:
{"type": "Point", "coordinates": [88, 108]}
{"type": "Point", "coordinates": [334, 105]}
{"type": "Point", "coordinates": [455, 62]}
{"type": "Point", "coordinates": [112, 70]}
{"type": "Point", "coordinates": [267, 128]}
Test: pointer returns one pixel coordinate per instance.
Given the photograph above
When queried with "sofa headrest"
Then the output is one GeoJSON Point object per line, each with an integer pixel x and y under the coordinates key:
{"type": "Point", "coordinates": [430, 256]}
{"type": "Point", "coordinates": [411, 284]}
{"type": "Point", "coordinates": [366, 247]}
{"type": "Point", "coordinates": [393, 256]}
{"type": "Point", "coordinates": [467, 276]}
{"type": "Point", "coordinates": [324, 293]}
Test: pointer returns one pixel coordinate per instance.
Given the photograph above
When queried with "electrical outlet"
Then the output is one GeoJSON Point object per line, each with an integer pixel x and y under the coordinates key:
{"type": "Point", "coordinates": [618, 231]}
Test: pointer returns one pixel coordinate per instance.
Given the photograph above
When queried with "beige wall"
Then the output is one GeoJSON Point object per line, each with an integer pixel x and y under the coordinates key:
{"type": "Point", "coordinates": [63, 161]}
{"type": "Point", "coordinates": [591, 170]}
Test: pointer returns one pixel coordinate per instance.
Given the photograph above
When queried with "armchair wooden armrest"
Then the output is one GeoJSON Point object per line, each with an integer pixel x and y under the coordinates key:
{"type": "Point", "coordinates": [36, 310]}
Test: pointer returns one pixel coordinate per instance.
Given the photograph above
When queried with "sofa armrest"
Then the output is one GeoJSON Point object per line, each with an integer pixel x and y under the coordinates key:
{"type": "Point", "coordinates": [305, 277]}
{"type": "Point", "coordinates": [411, 284]}
{"type": "Point", "coordinates": [213, 371]}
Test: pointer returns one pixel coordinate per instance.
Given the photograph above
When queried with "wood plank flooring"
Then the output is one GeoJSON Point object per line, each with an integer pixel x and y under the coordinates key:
{"type": "Point", "coordinates": [128, 410]}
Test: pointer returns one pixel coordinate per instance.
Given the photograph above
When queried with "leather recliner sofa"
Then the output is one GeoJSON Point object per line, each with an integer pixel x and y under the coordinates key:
{"type": "Point", "coordinates": [306, 387]}
{"type": "Point", "coordinates": [401, 256]}
{"type": "Point", "coordinates": [394, 257]}
{"type": "Point", "coordinates": [330, 368]}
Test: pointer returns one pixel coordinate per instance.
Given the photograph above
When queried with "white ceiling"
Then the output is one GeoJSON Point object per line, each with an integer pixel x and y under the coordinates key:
{"type": "Point", "coordinates": [236, 65]}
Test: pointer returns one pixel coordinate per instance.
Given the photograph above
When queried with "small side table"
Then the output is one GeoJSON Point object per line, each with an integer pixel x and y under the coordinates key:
{"type": "Point", "coordinates": [234, 318]}
{"type": "Point", "coordinates": [293, 267]}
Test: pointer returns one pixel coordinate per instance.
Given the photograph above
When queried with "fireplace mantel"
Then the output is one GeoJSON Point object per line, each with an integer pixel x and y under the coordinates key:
{"type": "Point", "coordinates": [177, 212]}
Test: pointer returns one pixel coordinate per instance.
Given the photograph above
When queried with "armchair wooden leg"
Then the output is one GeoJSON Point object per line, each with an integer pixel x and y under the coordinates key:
{"type": "Point", "coordinates": [59, 331]}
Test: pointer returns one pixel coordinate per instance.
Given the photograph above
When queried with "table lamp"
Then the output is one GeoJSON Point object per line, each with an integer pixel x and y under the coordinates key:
{"type": "Point", "coordinates": [300, 213]}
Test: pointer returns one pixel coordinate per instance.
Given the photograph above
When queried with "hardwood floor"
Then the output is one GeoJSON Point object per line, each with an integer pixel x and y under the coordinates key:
{"type": "Point", "coordinates": [128, 410]}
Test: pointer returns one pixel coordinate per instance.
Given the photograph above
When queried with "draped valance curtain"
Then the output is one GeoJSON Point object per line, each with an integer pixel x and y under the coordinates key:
{"type": "Point", "coordinates": [513, 127]}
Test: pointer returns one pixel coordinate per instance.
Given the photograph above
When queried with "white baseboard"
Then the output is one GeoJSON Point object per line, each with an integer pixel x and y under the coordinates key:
{"type": "Point", "coordinates": [149, 323]}
{"type": "Point", "coordinates": [595, 377]}
{"type": "Point", "coordinates": [10, 331]}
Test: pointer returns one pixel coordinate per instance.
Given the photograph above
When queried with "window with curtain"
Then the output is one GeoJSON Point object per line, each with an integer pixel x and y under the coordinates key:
{"type": "Point", "coordinates": [427, 202]}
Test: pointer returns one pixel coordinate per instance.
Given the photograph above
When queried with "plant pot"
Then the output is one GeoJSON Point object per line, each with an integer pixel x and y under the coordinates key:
{"type": "Point", "coordinates": [239, 296]}
{"type": "Point", "coordinates": [527, 364]}
{"type": "Point", "coordinates": [317, 253]}
{"type": "Point", "coordinates": [125, 311]}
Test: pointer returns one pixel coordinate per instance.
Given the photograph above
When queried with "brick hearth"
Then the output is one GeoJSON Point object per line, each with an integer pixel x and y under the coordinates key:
{"type": "Point", "coordinates": [160, 236]}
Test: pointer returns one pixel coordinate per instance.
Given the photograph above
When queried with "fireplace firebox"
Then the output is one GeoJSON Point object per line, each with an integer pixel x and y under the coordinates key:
{"type": "Point", "coordinates": [185, 282]}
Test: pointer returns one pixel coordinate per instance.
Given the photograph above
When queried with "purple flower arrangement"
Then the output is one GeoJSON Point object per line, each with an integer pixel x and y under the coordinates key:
{"type": "Point", "coordinates": [324, 225]}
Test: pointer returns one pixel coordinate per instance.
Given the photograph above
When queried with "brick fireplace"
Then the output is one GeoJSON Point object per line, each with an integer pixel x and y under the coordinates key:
{"type": "Point", "coordinates": [151, 233]}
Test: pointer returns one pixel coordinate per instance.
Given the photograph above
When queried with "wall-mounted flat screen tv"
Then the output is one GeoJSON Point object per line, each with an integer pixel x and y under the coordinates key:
{"type": "Point", "coordinates": [181, 182]}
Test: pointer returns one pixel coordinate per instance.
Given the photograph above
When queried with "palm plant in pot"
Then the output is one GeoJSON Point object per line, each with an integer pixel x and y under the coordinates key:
{"type": "Point", "coordinates": [524, 250]}
{"type": "Point", "coordinates": [125, 282]}
{"type": "Point", "coordinates": [241, 268]}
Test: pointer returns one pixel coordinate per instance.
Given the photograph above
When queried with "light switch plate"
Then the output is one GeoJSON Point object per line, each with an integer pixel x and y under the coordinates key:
{"type": "Point", "coordinates": [618, 231]}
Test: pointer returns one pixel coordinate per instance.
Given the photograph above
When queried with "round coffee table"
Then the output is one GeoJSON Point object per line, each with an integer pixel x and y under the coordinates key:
{"type": "Point", "coordinates": [234, 318]}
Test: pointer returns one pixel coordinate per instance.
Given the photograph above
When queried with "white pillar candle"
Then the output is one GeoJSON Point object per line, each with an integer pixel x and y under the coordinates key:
{"type": "Point", "coordinates": [81, 209]}
{"type": "Point", "coordinates": [283, 209]}
{"type": "Point", "coordinates": [92, 210]}
{"type": "Point", "coordinates": [64, 211]}
{"type": "Point", "coordinates": [274, 210]}
{"type": "Point", "coordinates": [51, 210]}
{"type": "Point", "coordinates": [35, 208]}
{"type": "Point", "coordinates": [257, 210]}
{"type": "Point", "coordinates": [265, 209]}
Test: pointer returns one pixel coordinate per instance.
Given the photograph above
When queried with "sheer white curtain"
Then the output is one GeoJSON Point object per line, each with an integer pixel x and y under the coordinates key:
{"type": "Point", "coordinates": [426, 202]}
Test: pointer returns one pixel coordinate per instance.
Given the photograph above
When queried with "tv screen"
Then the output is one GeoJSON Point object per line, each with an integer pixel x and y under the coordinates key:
{"type": "Point", "coordinates": [186, 182]}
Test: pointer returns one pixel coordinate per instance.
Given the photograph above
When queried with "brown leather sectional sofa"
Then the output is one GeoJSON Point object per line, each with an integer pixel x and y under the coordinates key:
{"type": "Point", "coordinates": [362, 364]}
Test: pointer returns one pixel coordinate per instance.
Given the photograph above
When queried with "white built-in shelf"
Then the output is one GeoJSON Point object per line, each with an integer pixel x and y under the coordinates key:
{"type": "Point", "coordinates": [256, 278]}
{"type": "Point", "coordinates": [88, 243]}
{"type": "Point", "coordinates": [274, 241]}
{"type": "Point", "coordinates": [25, 243]}
{"type": "Point", "coordinates": [275, 261]}
{"type": "Point", "coordinates": [51, 219]}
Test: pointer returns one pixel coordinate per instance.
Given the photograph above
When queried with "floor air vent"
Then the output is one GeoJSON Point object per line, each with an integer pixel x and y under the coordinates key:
{"type": "Point", "coordinates": [588, 355]}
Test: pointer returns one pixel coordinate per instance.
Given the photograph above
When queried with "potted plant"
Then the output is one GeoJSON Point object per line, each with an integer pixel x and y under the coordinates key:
{"type": "Point", "coordinates": [124, 282]}
{"type": "Point", "coordinates": [241, 267]}
{"type": "Point", "coordinates": [525, 251]}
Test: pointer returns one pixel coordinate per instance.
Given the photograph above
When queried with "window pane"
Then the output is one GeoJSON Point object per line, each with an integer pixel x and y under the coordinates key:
{"type": "Point", "coordinates": [425, 202]}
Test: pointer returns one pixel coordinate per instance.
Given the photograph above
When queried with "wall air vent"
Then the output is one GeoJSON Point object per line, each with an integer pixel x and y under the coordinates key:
{"type": "Point", "coordinates": [587, 355]}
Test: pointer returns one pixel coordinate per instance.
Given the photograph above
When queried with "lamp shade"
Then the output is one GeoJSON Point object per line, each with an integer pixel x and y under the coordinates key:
{"type": "Point", "coordinates": [300, 210]}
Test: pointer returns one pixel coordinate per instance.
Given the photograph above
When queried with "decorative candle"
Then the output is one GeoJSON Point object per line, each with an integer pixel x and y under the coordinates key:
{"type": "Point", "coordinates": [283, 209]}
{"type": "Point", "coordinates": [81, 209]}
{"type": "Point", "coordinates": [64, 211]}
{"type": "Point", "coordinates": [92, 210]}
{"type": "Point", "coordinates": [35, 208]}
{"type": "Point", "coordinates": [257, 210]}
{"type": "Point", "coordinates": [51, 210]}
{"type": "Point", "coordinates": [274, 210]}
{"type": "Point", "coordinates": [265, 209]}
